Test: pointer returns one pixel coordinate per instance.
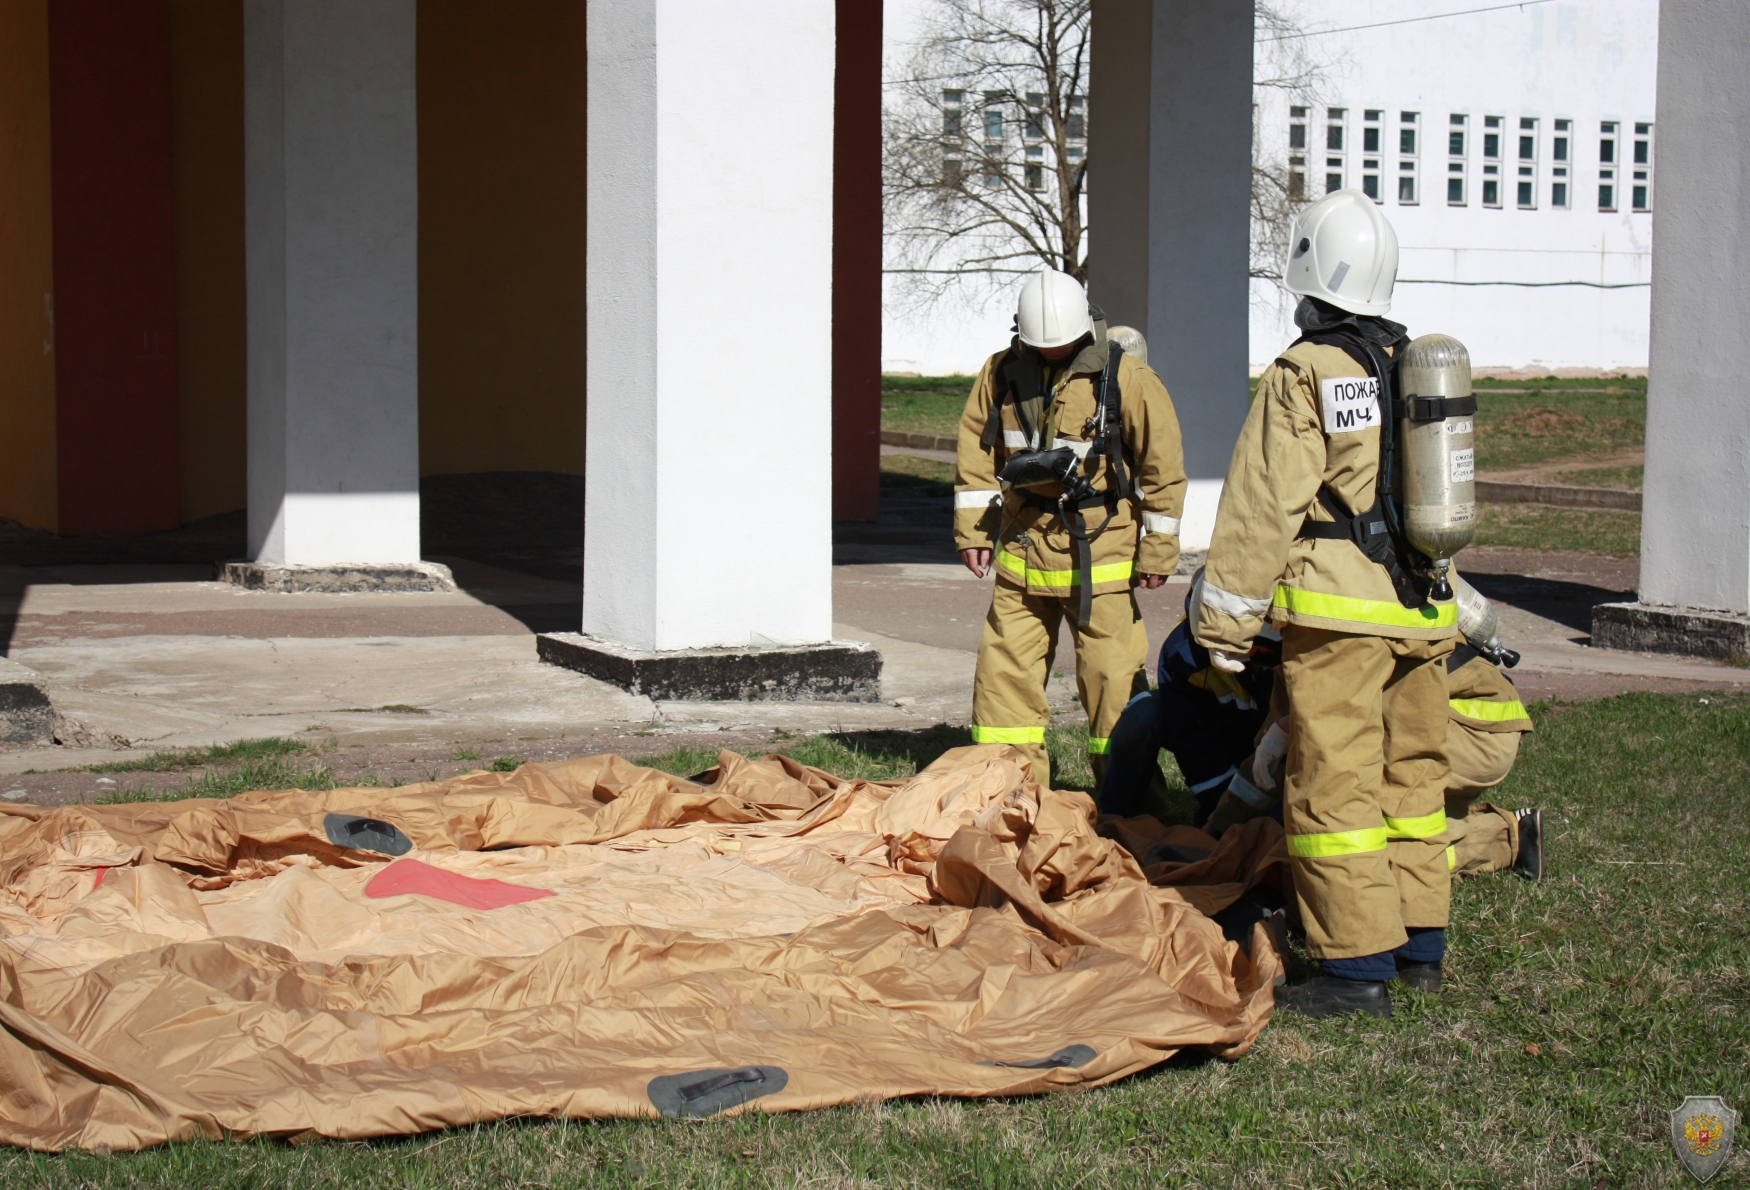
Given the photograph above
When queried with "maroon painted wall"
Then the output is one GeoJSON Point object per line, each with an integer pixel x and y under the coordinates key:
{"type": "Point", "coordinates": [115, 324]}
{"type": "Point", "coordinates": [856, 264]}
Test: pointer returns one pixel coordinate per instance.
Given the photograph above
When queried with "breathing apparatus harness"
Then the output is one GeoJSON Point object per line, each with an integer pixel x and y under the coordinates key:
{"type": "Point", "coordinates": [1378, 532]}
{"type": "Point", "coordinates": [1038, 468]}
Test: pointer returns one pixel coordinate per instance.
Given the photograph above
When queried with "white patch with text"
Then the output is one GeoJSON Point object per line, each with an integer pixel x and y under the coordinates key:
{"type": "Point", "coordinates": [1351, 404]}
{"type": "Point", "coordinates": [1464, 465]}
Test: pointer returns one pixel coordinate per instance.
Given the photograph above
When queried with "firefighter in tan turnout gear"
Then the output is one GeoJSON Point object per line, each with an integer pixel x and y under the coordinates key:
{"type": "Point", "coordinates": [1071, 482]}
{"type": "Point", "coordinates": [1304, 536]}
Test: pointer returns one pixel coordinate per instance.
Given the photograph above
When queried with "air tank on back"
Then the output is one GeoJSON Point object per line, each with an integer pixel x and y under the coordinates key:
{"type": "Point", "coordinates": [1437, 446]}
{"type": "Point", "coordinates": [1479, 624]}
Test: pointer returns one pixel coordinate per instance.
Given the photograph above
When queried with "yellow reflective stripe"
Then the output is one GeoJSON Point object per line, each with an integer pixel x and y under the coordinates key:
{"type": "Point", "coordinates": [1337, 843]}
{"type": "Point", "coordinates": [1490, 712]}
{"type": "Point", "coordinates": [1425, 827]}
{"type": "Point", "coordinates": [1110, 572]}
{"type": "Point", "coordinates": [1451, 858]}
{"type": "Point", "coordinates": [1007, 735]}
{"type": "Point", "coordinates": [1364, 611]}
{"type": "Point", "coordinates": [1099, 747]}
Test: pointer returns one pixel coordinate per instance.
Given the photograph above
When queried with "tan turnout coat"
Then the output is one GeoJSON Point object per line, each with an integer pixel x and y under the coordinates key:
{"type": "Point", "coordinates": [1031, 547]}
{"type": "Point", "coordinates": [1291, 445]}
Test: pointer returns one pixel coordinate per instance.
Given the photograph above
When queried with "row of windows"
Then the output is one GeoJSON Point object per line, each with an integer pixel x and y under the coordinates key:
{"type": "Point", "coordinates": [1496, 135]}
{"type": "Point", "coordinates": [997, 118]}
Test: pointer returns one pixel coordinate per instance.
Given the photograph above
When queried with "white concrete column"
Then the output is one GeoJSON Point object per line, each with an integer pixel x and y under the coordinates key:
{"type": "Point", "coordinates": [1695, 527]}
{"type": "Point", "coordinates": [1169, 196]}
{"type": "Point", "coordinates": [332, 227]}
{"type": "Point", "coordinates": [710, 323]}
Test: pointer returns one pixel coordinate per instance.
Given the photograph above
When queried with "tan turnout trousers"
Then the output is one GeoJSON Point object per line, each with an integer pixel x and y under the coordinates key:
{"type": "Point", "coordinates": [1480, 837]}
{"type": "Point", "coordinates": [1014, 658]}
{"type": "Point", "coordinates": [1365, 787]}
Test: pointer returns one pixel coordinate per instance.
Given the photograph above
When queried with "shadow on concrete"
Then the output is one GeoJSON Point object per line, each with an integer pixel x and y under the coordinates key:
{"type": "Point", "coordinates": [1567, 603]}
{"type": "Point", "coordinates": [916, 525]}
{"type": "Point", "coordinates": [530, 523]}
{"type": "Point", "coordinates": [527, 522]}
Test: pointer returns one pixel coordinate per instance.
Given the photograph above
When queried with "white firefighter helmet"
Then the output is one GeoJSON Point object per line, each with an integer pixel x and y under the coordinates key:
{"type": "Point", "coordinates": [1345, 253]}
{"type": "Point", "coordinates": [1053, 310]}
{"type": "Point", "coordinates": [1129, 338]}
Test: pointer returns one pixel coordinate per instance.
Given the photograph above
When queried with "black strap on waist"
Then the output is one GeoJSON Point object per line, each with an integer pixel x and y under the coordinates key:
{"type": "Point", "coordinates": [1434, 408]}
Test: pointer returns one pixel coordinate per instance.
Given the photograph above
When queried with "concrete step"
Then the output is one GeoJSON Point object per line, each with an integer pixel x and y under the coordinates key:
{"type": "Point", "coordinates": [1494, 492]}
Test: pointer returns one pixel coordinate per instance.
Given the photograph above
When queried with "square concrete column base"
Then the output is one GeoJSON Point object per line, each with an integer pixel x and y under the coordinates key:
{"type": "Point", "coordinates": [837, 671]}
{"type": "Point", "coordinates": [341, 577]}
{"type": "Point", "coordinates": [1692, 631]}
{"type": "Point", "coordinates": [26, 715]}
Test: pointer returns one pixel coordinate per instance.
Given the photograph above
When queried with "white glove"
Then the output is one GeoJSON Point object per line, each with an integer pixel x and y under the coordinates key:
{"type": "Point", "coordinates": [1273, 747]}
{"type": "Point", "coordinates": [1227, 663]}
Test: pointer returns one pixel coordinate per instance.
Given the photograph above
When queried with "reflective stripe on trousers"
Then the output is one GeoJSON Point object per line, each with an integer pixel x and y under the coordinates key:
{"type": "Point", "coordinates": [1099, 747]}
{"type": "Point", "coordinates": [1320, 846]}
{"type": "Point", "coordinates": [1490, 712]}
{"type": "Point", "coordinates": [1058, 580]}
{"type": "Point", "coordinates": [1363, 611]}
{"type": "Point", "coordinates": [1007, 735]}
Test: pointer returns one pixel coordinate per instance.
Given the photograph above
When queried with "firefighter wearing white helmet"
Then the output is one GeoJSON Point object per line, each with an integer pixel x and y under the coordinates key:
{"type": "Point", "coordinates": [1302, 538]}
{"type": "Point", "coordinates": [1070, 486]}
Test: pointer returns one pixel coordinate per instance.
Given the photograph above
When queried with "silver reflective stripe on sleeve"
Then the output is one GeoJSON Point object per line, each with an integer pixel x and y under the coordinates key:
{"type": "Point", "coordinates": [1015, 440]}
{"type": "Point", "coordinates": [1230, 604]}
{"type": "Point", "coordinates": [1219, 779]}
{"type": "Point", "coordinates": [1159, 522]}
{"type": "Point", "coordinates": [1250, 794]}
{"type": "Point", "coordinates": [977, 498]}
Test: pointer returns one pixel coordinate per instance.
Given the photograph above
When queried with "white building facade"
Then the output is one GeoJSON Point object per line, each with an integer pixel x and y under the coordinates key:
{"type": "Point", "coordinates": [1514, 150]}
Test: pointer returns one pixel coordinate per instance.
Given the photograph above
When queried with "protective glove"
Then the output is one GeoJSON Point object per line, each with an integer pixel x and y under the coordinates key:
{"type": "Point", "coordinates": [1227, 663]}
{"type": "Point", "coordinates": [1273, 747]}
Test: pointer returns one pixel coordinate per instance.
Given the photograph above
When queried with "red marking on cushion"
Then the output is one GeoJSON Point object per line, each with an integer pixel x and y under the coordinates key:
{"type": "Point", "coordinates": [412, 876]}
{"type": "Point", "coordinates": [101, 873]}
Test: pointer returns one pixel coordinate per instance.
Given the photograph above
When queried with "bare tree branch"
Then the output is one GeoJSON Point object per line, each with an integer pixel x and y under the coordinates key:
{"type": "Point", "coordinates": [985, 160]}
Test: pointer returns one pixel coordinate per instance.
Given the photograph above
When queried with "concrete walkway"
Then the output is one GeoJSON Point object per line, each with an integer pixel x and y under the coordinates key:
{"type": "Point", "coordinates": [156, 656]}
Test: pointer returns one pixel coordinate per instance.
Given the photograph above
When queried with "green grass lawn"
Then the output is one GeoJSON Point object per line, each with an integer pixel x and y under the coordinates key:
{"type": "Point", "coordinates": [924, 404]}
{"type": "Point", "coordinates": [1539, 527]}
{"type": "Point", "coordinates": [1577, 1013]}
{"type": "Point", "coordinates": [1554, 422]}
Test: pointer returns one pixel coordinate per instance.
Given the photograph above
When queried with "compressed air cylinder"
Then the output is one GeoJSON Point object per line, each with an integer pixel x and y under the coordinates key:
{"type": "Point", "coordinates": [1477, 620]}
{"type": "Point", "coordinates": [1438, 455]}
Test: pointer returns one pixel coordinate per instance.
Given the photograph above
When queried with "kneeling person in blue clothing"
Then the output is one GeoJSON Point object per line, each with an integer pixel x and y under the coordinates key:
{"type": "Point", "coordinates": [1206, 717]}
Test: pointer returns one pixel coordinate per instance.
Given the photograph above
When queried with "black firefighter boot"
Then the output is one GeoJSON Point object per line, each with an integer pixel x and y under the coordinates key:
{"type": "Point", "coordinates": [1327, 995]}
{"type": "Point", "coordinates": [1424, 977]}
{"type": "Point", "coordinates": [1529, 862]}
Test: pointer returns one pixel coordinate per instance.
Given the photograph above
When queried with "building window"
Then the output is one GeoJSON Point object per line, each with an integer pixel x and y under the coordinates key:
{"type": "Point", "coordinates": [1606, 165]}
{"type": "Point", "coordinates": [951, 173]}
{"type": "Point", "coordinates": [1407, 189]}
{"type": "Point", "coordinates": [993, 117]}
{"type": "Point", "coordinates": [1642, 190]}
{"type": "Point", "coordinates": [1527, 189]}
{"type": "Point", "coordinates": [1370, 133]}
{"type": "Point", "coordinates": [1333, 174]}
{"type": "Point", "coordinates": [1558, 145]}
{"type": "Point", "coordinates": [1491, 186]}
{"type": "Point", "coordinates": [1297, 177]}
{"type": "Point", "coordinates": [951, 109]}
{"type": "Point", "coordinates": [1455, 165]}
{"type": "Point", "coordinates": [1034, 128]}
{"type": "Point", "coordinates": [1035, 177]}
{"type": "Point", "coordinates": [1076, 123]}
{"type": "Point", "coordinates": [1492, 137]}
{"type": "Point", "coordinates": [1334, 129]}
{"type": "Point", "coordinates": [1297, 128]}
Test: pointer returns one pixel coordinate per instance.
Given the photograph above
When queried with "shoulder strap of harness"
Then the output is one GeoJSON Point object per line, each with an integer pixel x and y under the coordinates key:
{"type": "Point", "coordinates": [1377, 531]}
